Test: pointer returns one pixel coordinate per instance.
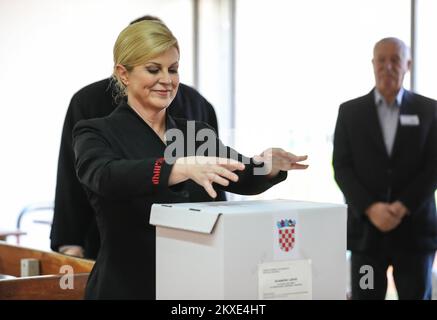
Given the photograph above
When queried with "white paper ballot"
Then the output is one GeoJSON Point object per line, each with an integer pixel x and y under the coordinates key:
{"type": "Point", "coordinates": [409, 120]}
{"type": "Point", "coordinates": [285, 280]}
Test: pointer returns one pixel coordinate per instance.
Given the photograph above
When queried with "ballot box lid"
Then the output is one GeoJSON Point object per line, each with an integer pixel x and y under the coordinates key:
{"type": "Point", "coordinates": [202, 216]}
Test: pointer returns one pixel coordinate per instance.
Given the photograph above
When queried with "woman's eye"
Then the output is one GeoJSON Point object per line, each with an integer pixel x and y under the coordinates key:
{"type": "Point", "coordinates": [153, 70]}
{"type": "Point", "coordinates": [173, 70]}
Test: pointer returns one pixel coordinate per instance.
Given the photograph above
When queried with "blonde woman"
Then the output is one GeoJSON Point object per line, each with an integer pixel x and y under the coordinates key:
{"type": "Point", "coordinates": [120, 161]}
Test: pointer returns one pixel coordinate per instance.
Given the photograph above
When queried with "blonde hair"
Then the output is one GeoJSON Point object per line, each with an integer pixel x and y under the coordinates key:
{"type": "Point", "coordinates": [138, 43]}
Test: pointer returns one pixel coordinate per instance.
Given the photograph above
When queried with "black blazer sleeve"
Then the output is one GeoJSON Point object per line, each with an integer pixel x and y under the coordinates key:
{"type": "Point", "coordinates": [344, 174]}
{"type": "Point", "coordinates": [105, 173]}
{"type": "Point", "coordinates": [249, 182]}
{"type": "Point", "coordinates": [253, 179]}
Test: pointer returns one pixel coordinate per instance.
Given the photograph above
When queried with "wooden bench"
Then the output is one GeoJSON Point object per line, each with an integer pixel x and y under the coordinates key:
{"type": "Point", "coordinates": [46, 286]}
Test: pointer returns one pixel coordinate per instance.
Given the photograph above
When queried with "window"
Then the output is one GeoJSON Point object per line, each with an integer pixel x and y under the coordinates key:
{"type": "Point", "coordinates": [296, 62]}
{"type": "Point", "coordinates": [426, 48]}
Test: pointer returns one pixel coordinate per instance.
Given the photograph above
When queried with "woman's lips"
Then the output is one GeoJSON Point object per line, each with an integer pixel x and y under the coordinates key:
{"type": "Point", "coordinates": [163, 93]}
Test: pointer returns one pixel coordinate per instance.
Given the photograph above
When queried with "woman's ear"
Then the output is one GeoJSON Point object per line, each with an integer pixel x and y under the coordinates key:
{"type": "Point", "coordinates": [122, 74]}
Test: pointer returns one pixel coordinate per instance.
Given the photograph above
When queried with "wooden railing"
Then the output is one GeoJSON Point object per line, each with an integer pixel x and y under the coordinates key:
{"type": "Point", "coordinates": [52, 283]}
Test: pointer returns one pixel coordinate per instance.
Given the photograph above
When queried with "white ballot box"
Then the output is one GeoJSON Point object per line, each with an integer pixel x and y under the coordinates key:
{"type": "Point", "coordinates": [278, 249]}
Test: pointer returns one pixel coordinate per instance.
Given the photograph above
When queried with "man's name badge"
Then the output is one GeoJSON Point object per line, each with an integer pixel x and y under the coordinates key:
{"type": "Point", "coordinates": [409, 120]}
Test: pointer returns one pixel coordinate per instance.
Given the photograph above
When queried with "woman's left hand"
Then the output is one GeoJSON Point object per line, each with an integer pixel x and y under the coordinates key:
{"type": "Point", "coordinates": [277, 159]}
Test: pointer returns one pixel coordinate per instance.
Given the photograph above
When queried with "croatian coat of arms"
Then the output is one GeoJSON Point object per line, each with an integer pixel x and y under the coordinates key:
{"type": "Point", "coordinates": [286, 236]}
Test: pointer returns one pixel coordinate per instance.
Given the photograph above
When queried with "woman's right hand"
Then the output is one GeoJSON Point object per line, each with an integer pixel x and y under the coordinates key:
{"type": "Point", "coordinates": [205, 171]}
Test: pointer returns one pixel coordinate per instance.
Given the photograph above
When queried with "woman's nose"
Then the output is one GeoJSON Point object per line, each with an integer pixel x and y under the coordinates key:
{"type": "Point", "coordinates": [166, 79]}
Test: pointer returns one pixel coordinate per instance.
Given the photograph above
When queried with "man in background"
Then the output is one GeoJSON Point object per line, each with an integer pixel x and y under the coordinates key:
{"type": "Point", "coordinates": [385, 163]}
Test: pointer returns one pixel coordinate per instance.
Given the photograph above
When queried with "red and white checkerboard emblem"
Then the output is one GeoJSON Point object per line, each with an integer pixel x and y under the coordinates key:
{"type": "Point", "coordinates": [287, 235]}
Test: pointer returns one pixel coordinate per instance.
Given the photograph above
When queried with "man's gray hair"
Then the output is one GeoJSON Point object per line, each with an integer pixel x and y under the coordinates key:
{"type": "Point", "coordinates": [405, 50]}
